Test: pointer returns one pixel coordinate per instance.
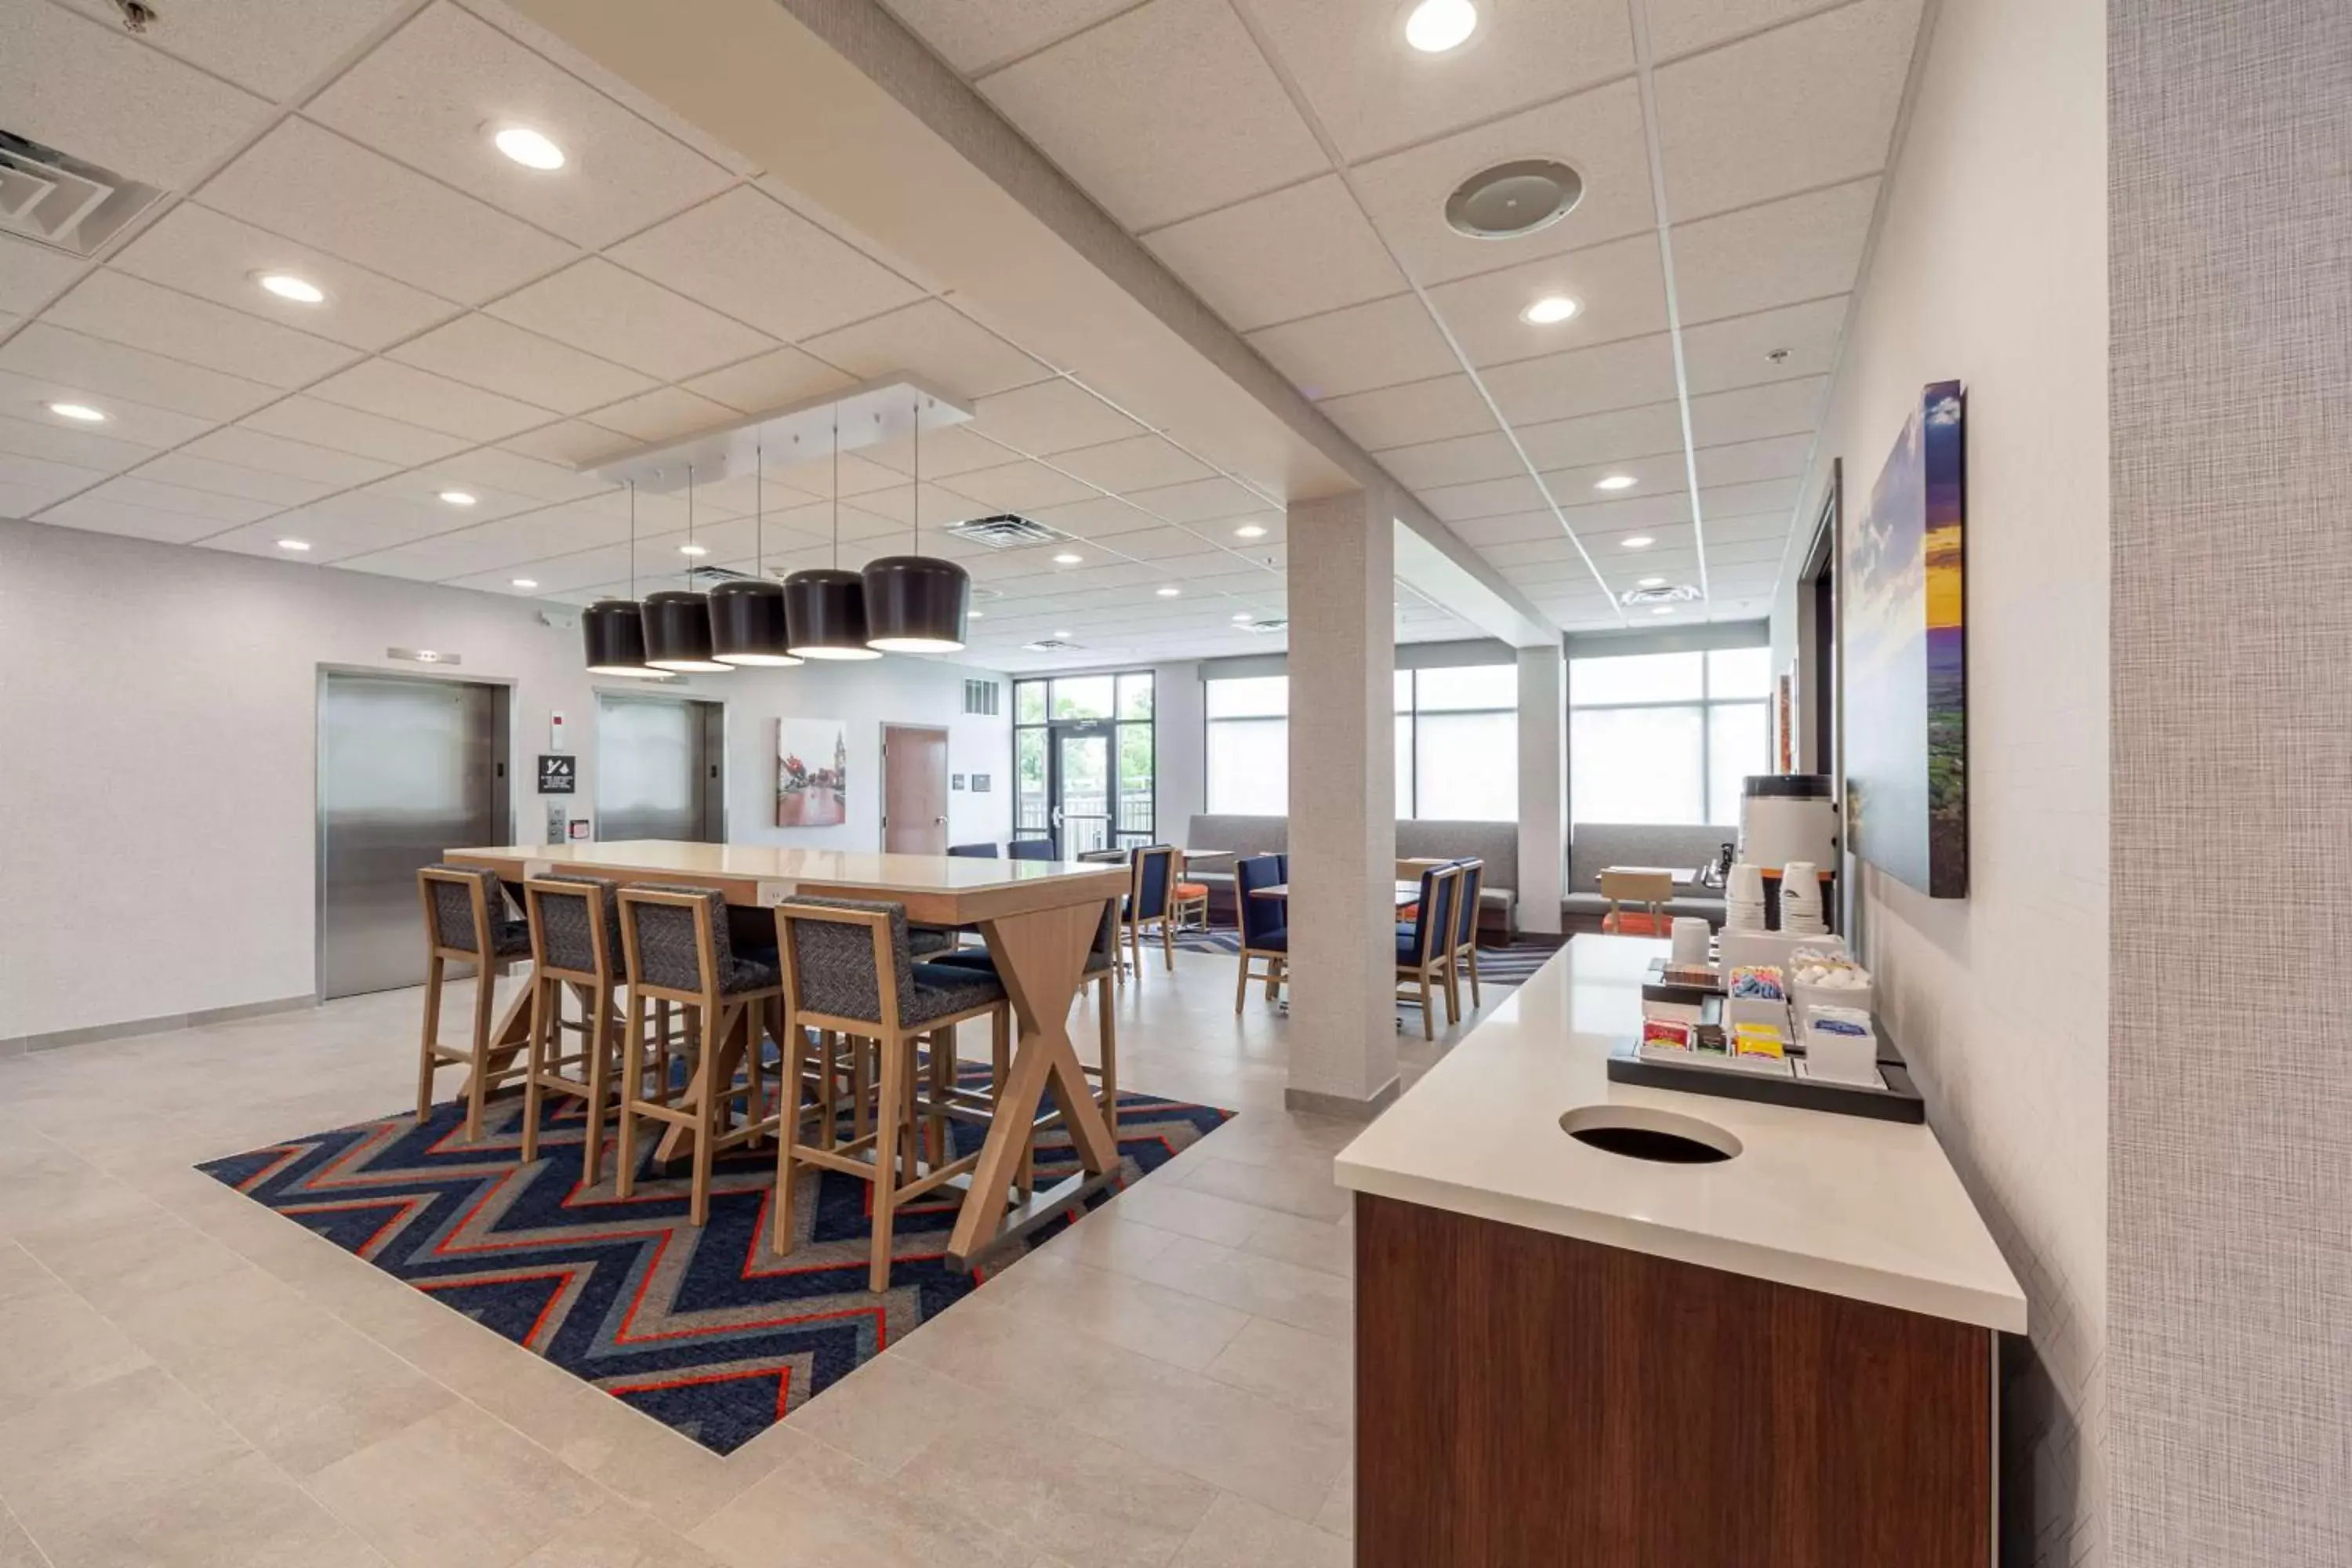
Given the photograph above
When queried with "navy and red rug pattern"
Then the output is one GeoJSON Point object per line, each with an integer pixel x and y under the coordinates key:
{"type": "Point", "coordinates": [706, 1331]}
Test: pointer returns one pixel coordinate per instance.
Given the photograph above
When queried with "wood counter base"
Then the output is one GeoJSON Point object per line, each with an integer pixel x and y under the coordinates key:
{"type": "Point", "coordinates": [1524, 1398]}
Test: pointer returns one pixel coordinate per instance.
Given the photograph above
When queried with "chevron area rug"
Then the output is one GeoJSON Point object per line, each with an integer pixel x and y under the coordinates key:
{"type": "Point", "coordinates": [704, 1331]}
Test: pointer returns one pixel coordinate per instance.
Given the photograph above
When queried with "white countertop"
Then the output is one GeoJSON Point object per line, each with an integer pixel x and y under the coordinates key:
{"type": "Point", "coordinates": [1868, 1210]}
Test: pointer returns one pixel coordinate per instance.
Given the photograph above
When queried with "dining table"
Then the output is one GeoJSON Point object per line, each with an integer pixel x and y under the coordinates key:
{"type": "Point", "coordinates": [1038, 918]}
{"type": "Point", "coordinates": [1406, 892]}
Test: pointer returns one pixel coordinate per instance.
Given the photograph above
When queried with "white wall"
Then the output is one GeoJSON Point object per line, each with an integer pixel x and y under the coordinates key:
{"type": "Point", "coordinates": [158, 715]}
{"type": "Point", "coordinates": [1991, 266]}
{"type": "Point", "coordinates": [1181, 737]}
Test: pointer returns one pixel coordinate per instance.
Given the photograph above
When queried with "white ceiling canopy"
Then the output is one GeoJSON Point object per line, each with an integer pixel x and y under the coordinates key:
{"type": "Point", "coordinates": [878, 412]}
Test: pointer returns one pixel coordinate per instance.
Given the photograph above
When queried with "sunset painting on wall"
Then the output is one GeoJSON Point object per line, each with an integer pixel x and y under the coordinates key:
{"type": "Point", "coordinates": [1905, 636]}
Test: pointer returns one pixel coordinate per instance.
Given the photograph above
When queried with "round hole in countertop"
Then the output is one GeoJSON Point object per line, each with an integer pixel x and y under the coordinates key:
{"type": "Point", "coordinates": [1639, 1132]}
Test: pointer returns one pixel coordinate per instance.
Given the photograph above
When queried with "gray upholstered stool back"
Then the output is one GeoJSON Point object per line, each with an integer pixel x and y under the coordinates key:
{"type": "Point", "coordinates": [832, 963]}
{"type": "Point", "coordinates": [563, 912]}
{"type": "Point", "coordinates": [452, 896]}
{"type": "Point", "coordinates": [666, 945]}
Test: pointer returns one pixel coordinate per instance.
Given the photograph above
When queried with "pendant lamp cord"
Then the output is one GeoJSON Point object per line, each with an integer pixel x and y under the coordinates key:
{"type": "Point", "coordinates": [759, 510]}
{"type": "Point", "coordinates": [632, 539]}
{"type": "Point", "coordinates": [836, 487]}
{"type": "Point", "coordinates": [685, 575]}
{"type": "Point", "coordinates": [916, 529]}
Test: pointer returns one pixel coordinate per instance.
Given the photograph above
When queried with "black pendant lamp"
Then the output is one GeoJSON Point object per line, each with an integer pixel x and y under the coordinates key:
{"type": "Point", "coordinates": [678, 620]}
{"type": "Point", "coordinates": [615, 630]}
{"type": "Point", "coordinates": [825, 609]}
{"type": "Point", "coordinates": [915, 604]}
{"type": "Point", "coordinates": [747, 613]}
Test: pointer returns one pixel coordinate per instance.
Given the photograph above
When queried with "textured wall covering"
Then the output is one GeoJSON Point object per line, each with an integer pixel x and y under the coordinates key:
{"type": "Point", "coordinates": [1990, 265]}
{"type": "Point", "coordinates": [2230, 1160]}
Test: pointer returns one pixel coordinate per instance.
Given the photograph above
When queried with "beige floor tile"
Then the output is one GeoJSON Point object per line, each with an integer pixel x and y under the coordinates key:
{"type": "Point", "coordinates": [21, 1276]}
{"type": "Point", "coordinates": [1177, 1208]}
{"type": "Point", "coordinates": [1327, 1244]}
{"type": "Point", "coordinates": [819, 1508]}
{"type": "Point", "coordinates": [1263, 1287]}
{"type": "Point", "coordinates": [458, 1489]}
{"type": "Point", "coordinates": [1123, 1310]}
{"type": "Point", "coordinates": [128, 1258]}
{"type": "Point", "coordinates": [1239, 1534]}
{"type": "Point", "coordinates": [619, 1535]}
{"type": "Point", "coordinates": [1339, 1512]}
{"type": "Point", "coordinates": [1110, 1239]}
{"type": "Point", "coordinates": [246, 1513]}
{"type": "Point", "coordinates": [1294, 1186]}
{"type": "Point", "coordinates": [76, 1454]}
{"type": "Point", "coordinates": [16, 1548]}
{"type": "Point", "coordinates": [54, 1342]}
{"type": "Point", "coordinates": [1292, 1366]}
{"type": "Point", "coordinates": [883, 1414]}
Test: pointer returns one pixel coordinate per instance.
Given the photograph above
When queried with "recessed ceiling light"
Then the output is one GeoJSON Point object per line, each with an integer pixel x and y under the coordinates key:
{"type": "Point", "coordinates": [529, 148]}
{"type": "Point", "coordinates": [80, 413]}
{"type": "Point", "coordinates": [1064, 634]}
{"type": "Point", "coordinates": [296, 545]}
{"type": "Point", "coordinates": [1651, 583]}
{"type": "Point", "coordinates": [1549, 310]}
{"type": "Point", "coordinates": [1616, 482]}
{"type": "Point", "coordinates": [459, 497]}
{"type": "Point", "coordinates": [1249, 531]}
{"type": "Point", "coordinates": [1664, 610]}
{"type": "Point", "coordinates": [694, 550]}
{"type": "Point", "coordinates": [975, 615]}
{"type": "Point", "coordinates": [526, 581]}
{"type": "Point", "coordinates": [1170, 591]}
{"type": "Point", "coordinates": [1067, 559]}
{"type": "Point", "coordinates": [1638, 541]}
{"type": "Point", "coordinates": [1244, 618]}
{"type": "Point", "coordinates": [286, 286]}
{"type": "Point", "coordinates": [1436, 26]}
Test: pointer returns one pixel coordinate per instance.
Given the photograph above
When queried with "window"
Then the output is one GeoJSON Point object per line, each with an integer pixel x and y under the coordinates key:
{"type": "Point", "coordinates": [1084, 760]}
{"type": "Point", "coordinates": [1457, 743]}
{"type": "Point", "coordinates": [1667, 737]}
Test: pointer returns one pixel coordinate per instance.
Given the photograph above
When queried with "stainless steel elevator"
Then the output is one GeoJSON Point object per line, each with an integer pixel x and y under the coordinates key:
{"type": "Point", "coordinates": [660, 768]}
{"type": "Point", "coordinates": [407, 769]}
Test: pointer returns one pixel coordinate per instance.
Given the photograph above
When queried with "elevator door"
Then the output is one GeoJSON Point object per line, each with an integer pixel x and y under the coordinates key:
{"type": "Point", "coordinates": [407, 769]}
{"type": "Point", "coordinates": [659, 769]}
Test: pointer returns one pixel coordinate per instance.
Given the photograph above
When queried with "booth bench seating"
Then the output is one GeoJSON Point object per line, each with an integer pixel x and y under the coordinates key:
{"type": "Point", "coordinates": [1495, 843]}
{"type": "Point", "coordinates": [1595, 845]}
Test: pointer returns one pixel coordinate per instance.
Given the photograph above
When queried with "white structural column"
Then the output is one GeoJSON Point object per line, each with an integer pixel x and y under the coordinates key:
{"type": "Point", "coordinates": [1343, 1035]}
{"type": "Point", "coordinates": [1543, 801]}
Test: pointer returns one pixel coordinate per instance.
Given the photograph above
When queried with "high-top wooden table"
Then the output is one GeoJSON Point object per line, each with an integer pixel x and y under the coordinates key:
{"type": "Point", "coordinates": [1038, 918]}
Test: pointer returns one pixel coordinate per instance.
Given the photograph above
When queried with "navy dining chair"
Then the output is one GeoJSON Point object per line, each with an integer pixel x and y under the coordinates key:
{"type": "Point", "coordinates": [1265, 927]}
{"type": "Point", "coordinates": [1031, 850]}
{"type": "Point", "coordinates": [1150, 898]}
{"type": "Point", "coordinates": [1424, 946]}
{"type": "Point", "coordinates": [1464, 958]}
{"type": "Point", "coordinates": [973, 851]}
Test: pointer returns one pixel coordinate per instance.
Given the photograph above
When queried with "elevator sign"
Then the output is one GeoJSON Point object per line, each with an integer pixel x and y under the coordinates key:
{"type": "Point", "coordinates": [558, 772]}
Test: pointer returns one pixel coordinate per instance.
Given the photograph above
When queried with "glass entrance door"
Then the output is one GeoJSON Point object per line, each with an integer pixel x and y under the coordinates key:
{"type": "Point", "coordinates": [1082, 791]}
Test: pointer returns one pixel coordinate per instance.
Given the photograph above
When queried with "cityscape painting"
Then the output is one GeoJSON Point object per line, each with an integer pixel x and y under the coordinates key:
{"type": "Point", "coordinates": [812, 772]}
{"type": "Point", "coordinates": [1906, 657]}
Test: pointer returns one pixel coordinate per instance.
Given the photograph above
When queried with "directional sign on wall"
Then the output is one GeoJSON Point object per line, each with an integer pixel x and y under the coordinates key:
{"type": "Point", "coordinates": [558, 772]}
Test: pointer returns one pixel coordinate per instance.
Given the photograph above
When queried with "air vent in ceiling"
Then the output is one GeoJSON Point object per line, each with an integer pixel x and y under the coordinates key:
{"type": "Point", "coordinates": [1004, 531]}
{"type": "Point", "coordinates": [1680, 593]}
{"type": "Point", "coordinates": [1266, 627]}
{"type": "Point", "coordinates": [1048, 645]}
{"type": "Point", "coordinates": [698, 576]}
{"type": "Point", "coordinates": [61, 202]}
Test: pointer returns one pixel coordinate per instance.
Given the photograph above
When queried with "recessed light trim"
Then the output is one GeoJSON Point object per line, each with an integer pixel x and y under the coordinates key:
{"type": "Point", "coordinates": [532, 149]}
{"type": "Point", "coordinates": [526, 581]}
{"type": "Point", "coordinates": [296, 545]}
{"type": "Point", "coordinates": [459, 497]}
{"type": "Point", "coordinates": [1651, 583]}
{"type": "Point", "coordinates": [694, 550]}
{"type": "Point", "coordinates": [1616, 482]}
{"type": "Point", "coordinates": [1065, 633]}
{"type": "Point", "coordinates": [287, 286]}
{"type": "Point", "coordinates": [1550, 310]}
{"type": "Point", "coordinates": [1250, 530]}
{"type": "Point", "coordinates": [1244, 618]}
{"type": "Point", "coordinates": [1637, 542]}
{"type": "Point", "coordinates": [1439, 26]}
{"type": "Point", "coordinates": [1067, 558]}
{"type": "Point", "coordinates": [1664, 610]}
{"type": "Point", "coordinates": [79, 413]}
{"type": "Point", "coordinates": [1169, 591]}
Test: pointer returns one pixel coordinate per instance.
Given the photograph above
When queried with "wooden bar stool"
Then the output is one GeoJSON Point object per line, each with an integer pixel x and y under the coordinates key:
{"type": "Point", "coordinates": [466, 922]}
{"type": "Point", "coordinates": [848, 972]}
{"type": "Point", "coordinates": [575, 948]}
{"type": "Point", "coordinates": [679, 950]}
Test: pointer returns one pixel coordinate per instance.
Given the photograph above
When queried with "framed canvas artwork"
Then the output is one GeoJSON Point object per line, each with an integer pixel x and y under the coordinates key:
{"type": "Point", "coordinates": [812, 772]}
{"type": "Point", "coordinates": [1905, 656]}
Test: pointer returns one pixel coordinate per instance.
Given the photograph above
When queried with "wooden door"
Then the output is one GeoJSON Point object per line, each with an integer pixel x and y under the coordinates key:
{"type": "Point", "coordinates": [914, 790]}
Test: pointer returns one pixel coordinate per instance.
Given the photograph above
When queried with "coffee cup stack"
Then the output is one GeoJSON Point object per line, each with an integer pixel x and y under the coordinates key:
{"type": "Point", "coordinates": [1743, 897]}
{"type": "Point", "coordinates": [1800, 900]}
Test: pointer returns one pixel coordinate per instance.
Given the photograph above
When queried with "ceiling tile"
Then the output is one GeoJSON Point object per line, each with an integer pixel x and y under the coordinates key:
{"type": "Point", "coordinates": [1803, 248]}
{"type": "Point", "coordinates": [1724, 355]}
{"type": "Point", "coordinates": [432, 93]}
{"type": "Point", "coordinates": [1298, 251]}
{"type": "Point", "coordinates": [1801, 106]}
{"type": "Point", "coordinates": [1019, 487]}
{"type": "Point", "coordinates": [597, 306]}
{"type": "Point", "coordinates": [1374, 93]}
{"type": "Point", "coordinates": [420, 398]}
{"type": "Point", "coordinates": [1782, 457]}
{"type": "Point", "coordinates": [312, 186]}
{"type": "Point", "coordinates": [572, 444]}
{"type": "Point", "coordinates": [273, 48]}
{"type": "Point", "coordinates": [53, 440]}
{"type": "Point", "coordinates": [31, 274]}
{"type": "Point", "coordinates": [50, 353]}
{"type": "Point", "coordinates": [1161, 113]}
{"type": "Point", "coordinates": [124, 309]}
{"type": "Point", "coordinates": [1618, 436]}
{"type": "Point", "coordinates": [87, 511]}
{"type": "Point", "coordinates": [29, 484]}
{"type": "Point", "coordinates": [1774, 496]}
{"type": "Point", "coordinates": [1137, 463]}
{"type": "Point", "coordinates": [1635, 514]}
{"type": "Point", "coordinates": [749, 255]}
{"type": "Point", "coordinates": [1584, 380]}
{"type": "Point", "coordinates": [970, 37]}
{"type": "Point", "coordinates": [821, 476]}
{"type": "Point", "coordinates": [778, 379]}
{"type": "Point", "coordinates": [330, 538]}
{"type": "Point", "coordinates": [1598, 132]}
{"type": "Point", "coordinates": [1762, 552]}
{"type": "Point", "coordinates": [1360, 348]}
{"type": "Point", "coordinates": [344, 429]}
{"type": "Point", "coordinates": [945, 453]}
{"type": "Point", "coordinates": [512, 543]}
{"type": "Point", "coordinates": [1488, 497]}
{"type": "Point", "coordinates": [198, 251]}
{"type": "Point", "coordinates": [198, 473]}
{"type": "Point", "coordinates": [1202, 501]}
{"type": "Point", "coordinates": [936, 343]}
{"type": "Point", "coordinates": [665, 415]}
{"type": "Point", "coordinates": [1778, 408]}
{"type": "Point", "coordinates": [580, 574]}
{"type": "Point", "coordinates": [90, 90]}
{"type": "Point", "coordinates": [1619, 284]}
{"type": "Point", "coordinates": [1419, 411]}
{"type": "Point", "coordinates": [1096, 517]}
{"type": "Point", "coordinates": [1661, 474]}
{"type": "Point", "coordinates": [221, 510]}
{"type": "Point", "coordinates": [244, 447]}
{"type": "Point", "coordinates": [1767, 527]}
{"type": "Point", "coordinates": [485, 351]}
{"type": "Point", "coordinates": [1052, 416]}
{"type": "Point", "coordinates": [1461, 460]}
{"type": "Point", "coordinates": [1507, 528]}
